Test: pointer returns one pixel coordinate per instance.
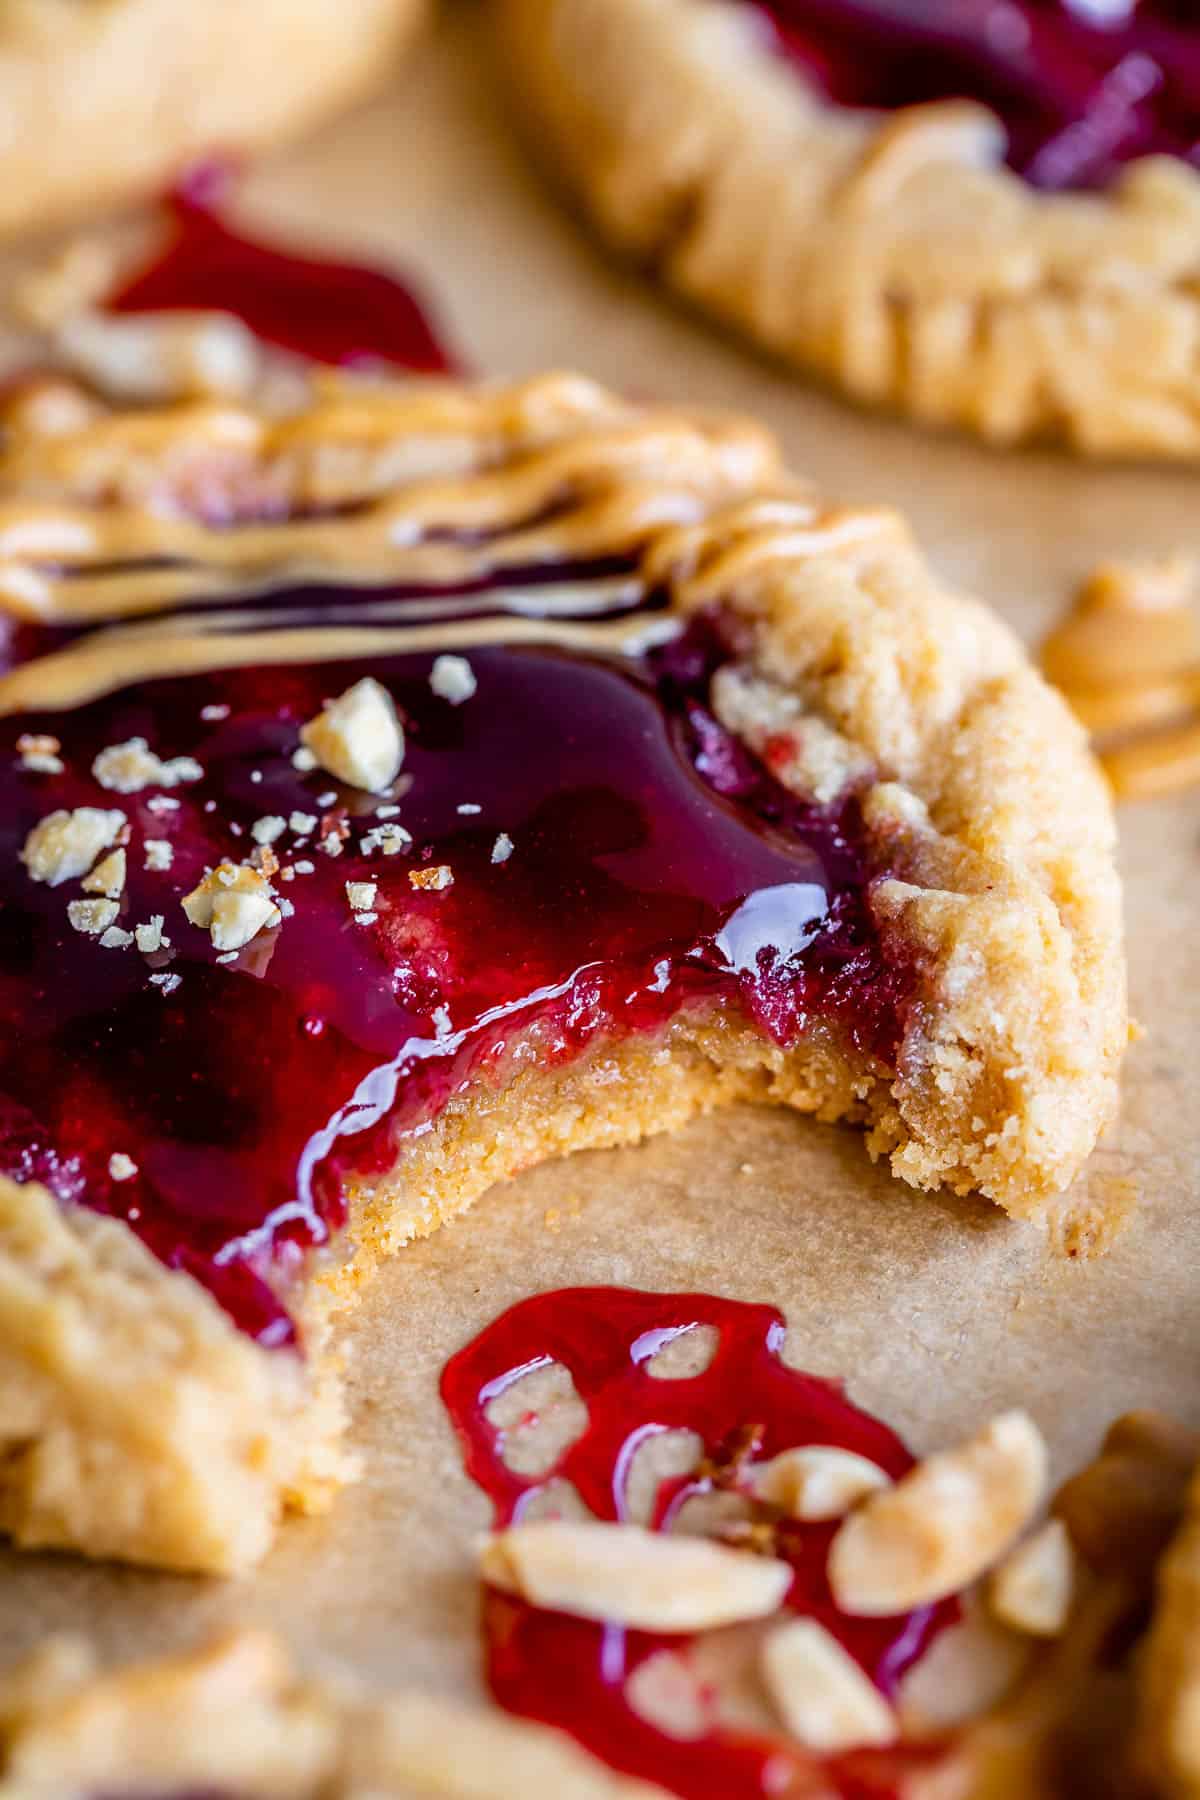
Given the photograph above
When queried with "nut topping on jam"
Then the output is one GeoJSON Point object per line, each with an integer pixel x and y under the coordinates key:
{"type": "Point", "coordinates": [452, 678]}
{"type": "Point", "coordinates": [817, 1481]}
{"type": "Point", "coordinates": [631, 1576]}
{"type": "Point", "coordinates": [108, 876]}
{"type": "Point", "coordinates": [91, 916]}
{"type": "Point", "coordinates": [128, 768]}
{"type": "Point", "coordinates": [38, 751]}
{"type": "Point", "coordinates": [943, 1525]}
{"type": "Point", "coordinates": [440, 876]}
{"type": "Point", "coordinates": [64, 845]}
{"type": "Point", "coordinates": [823, 1696]}
{"type": "Point", "coordinates": [233, 905]}
{"type": "Point", "coordinates": [358, 737]}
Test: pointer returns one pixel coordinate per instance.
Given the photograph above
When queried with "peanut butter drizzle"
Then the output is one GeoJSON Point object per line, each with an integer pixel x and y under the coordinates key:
{"type": "Point", "coordinates": [109, 660]}
{"type": "Point", "coordinates": [1127, 658]}
{"type": "Point", "coordinates": [555, 468]}
{"type": "Point", "coordinates": [108, 516]}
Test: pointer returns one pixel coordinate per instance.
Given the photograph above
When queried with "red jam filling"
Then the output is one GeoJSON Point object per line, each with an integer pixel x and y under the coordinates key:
{"type": "Point", "coordinates": [1082, 86]}
{"type": "Point", "coordinates": [655, 866]}
{"type": "Point", "coordinates": [330, 312]}
{"type": "Point", "coordinates": [572, 1672]}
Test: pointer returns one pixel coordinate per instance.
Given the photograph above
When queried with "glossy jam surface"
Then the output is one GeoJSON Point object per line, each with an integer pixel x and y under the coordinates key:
{"type": "Point", "coordinates": [331, 312]}
{"type": "Point", "coordinates": [571, 1672]}
{"type": "Point", "coordinates": [654, 866]}
{"type": "Point", "coordinates": [1082, 86]}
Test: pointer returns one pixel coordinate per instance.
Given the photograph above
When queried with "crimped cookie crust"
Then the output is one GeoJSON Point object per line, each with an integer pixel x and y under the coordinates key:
{"type": "Point", "coordinates": [114, 97]}
{"type": "Point", "coordinates": [855, 671]}
{"type": "Point", "coordinates": [900, 260]}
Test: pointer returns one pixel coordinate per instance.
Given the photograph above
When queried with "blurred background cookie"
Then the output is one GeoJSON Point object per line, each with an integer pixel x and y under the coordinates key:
{"type": "Point", "coordinates": [100, 99]}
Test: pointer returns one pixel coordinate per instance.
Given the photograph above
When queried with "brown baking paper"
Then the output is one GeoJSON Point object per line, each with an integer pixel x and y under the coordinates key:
{"type": "Point", "coordinates": [937, 1312]}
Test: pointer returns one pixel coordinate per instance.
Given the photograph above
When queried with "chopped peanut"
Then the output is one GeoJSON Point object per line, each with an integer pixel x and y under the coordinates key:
{"type": "Point", "coordinates": [66, 844]}
{"type": "Point", "coordinates": [817, 1481]}
{"type": "Point", "coordinates": [1033, 1587]}
{"type": "Point", "coordinates": [108, 877]}
{"type": "Point", "coordinates": [91, 916]}
{"type": "Point", "coordinates": [233, 904]}
{"type": "Point", "coordinates": [358, 737]}
{"type": "Point", "coordinates": [633, 1577]}
{"type": "Point", "coordinates": [943, 1525]}
{"type": "Point", "coordinates": [823, 1696]}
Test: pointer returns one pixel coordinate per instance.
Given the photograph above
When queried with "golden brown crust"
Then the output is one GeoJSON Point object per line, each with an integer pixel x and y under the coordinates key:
{"type": "Point", "coordinates": [976, 783]}
{"type": "Point", "coordinates": [102, 101]}
{"type": "Point", "coordinates": [901, 261]}
{"type": "Point", "coordinates": [137, 1421]}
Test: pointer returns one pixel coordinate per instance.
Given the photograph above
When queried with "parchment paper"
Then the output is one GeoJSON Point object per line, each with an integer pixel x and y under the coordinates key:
{"type": "Point", "coordinates": [937, 1311]}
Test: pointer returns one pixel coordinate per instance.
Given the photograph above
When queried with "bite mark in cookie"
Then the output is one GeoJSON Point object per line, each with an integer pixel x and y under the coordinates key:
{"type": "Point", "coordinates": [669, 784]}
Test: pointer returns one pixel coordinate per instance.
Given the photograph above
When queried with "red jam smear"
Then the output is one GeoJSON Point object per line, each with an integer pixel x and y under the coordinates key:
{"type": "Point", "coordinates": [331, 312]}
{"type": "Point", "coordinates": [1082, 86]}
{"type": "Point", "coordinates": [571, 1672]}
{"type": "Point", "coordinates": [656, 867]}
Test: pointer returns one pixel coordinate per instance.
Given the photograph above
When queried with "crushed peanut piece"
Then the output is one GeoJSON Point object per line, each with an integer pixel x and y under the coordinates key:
{"type": "Point", "coordinates": [268, 828]}
{"type": "Point", "coordinates": [92, 916]}
{"type": "Point", "coordinates": [129, 767]}
{"type": "Point", "coordinates": [817, 1481]}
{"type": "Point", "coordinates": [303, 760]}
{"type": "Point", "coordinates": [187, 352]}
{"type": "Point", "coordinates": [108, 876]}
{"type": "Point", "coordinates": [391, 839]}
{"type": "Point", "coordinates": [116, 939]}
{"type": "Point", "coordinates": [166, 983]}
{"type": "Point", "coordinates": [66, 844]}
{"type": "Point", "coordinates": [358, 737]}
{"type": "Point", "coordinates": [1033, 1587]}
{"type": "Point", "coordinates": [160, 853]}
{"type": "Point", "coordinates": [121, 1167]}
{"type": "Point", "coordinates": [441, 875]}
{"type": "Point", "coordinates": [264, 859]}
{"type": "Point", "coordinates": [303, 823]}
{"type": "Point", "coordinates": [218, 710]}
{"type": "Point", "coordinates": [452, 678]}
{"type": "Point", "coordinates": [361, 895]}
{"type": "Point", "coordinates": [150, 936]}
{"type": "Point", "coordinates": [233, 904]}
{"type": "Point", "coordinates": [468, 808]}
{"type": "Point", "coordinates": [39, 753]}
{"type": "Point", "coordinates": [502, 849]}
{"type": "Point", "coordinates": [630, 1576]}
{"type": "Point", "coordinates": [942, 1525]}
{"type": "Point", "coordinates": [824, 1698]}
